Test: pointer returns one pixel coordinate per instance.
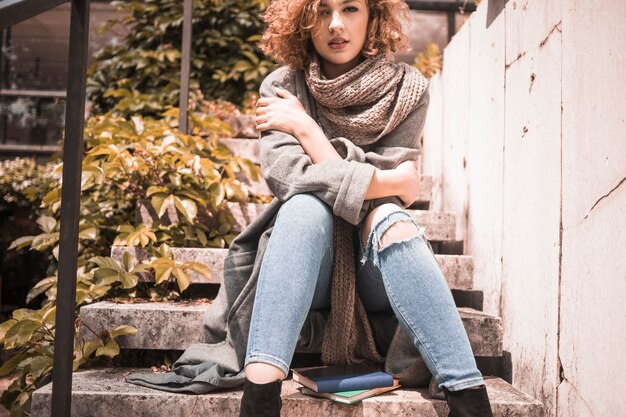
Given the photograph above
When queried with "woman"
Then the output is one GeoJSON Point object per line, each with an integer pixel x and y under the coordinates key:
{"type": "Point", "coordinates": [361, 99]}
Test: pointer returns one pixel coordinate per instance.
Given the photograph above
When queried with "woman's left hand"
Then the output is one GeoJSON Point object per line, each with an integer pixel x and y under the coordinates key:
{"type": "Point", "coordinates": [284, 113]}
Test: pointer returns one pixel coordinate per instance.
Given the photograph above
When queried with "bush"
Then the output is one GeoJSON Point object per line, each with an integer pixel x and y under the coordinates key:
{"type": "Point", "coordinates": [430, 60]}
{"type": "Point", "coordinates": [141, 74]}
{"type": "Point", "coordinates": [126, 161]}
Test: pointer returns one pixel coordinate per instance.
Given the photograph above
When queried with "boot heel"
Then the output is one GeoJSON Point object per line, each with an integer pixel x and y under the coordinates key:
{"type": "Point", "coordinates": [261, 400]}
{"type": "Point", "coordinates": [469, 402]}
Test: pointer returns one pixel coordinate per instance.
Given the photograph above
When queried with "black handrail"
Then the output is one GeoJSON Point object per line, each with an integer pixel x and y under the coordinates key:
{"type": "Point", "coordinates": [185, 68]}
{"type": "Point", "coordinates": [466, 6]}
{"type": "Point", "coordinates": [451, 7]}
{"type": "Point", "coordinates": [15, 11]}
{"type": "Point", "coordinates": [70, 209]}
{"type": "Point", "coordinates": [12, 12]}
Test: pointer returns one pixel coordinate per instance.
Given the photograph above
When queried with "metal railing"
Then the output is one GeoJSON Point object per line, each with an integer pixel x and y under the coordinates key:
{"type": "Point", "coordinates": [11, 13]}
{"type": "Point", "coordinates": [450, 7]}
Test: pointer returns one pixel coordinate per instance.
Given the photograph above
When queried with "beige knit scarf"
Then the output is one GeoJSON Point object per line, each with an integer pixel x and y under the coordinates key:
{"type": "Point", "coordinates": [367, 102]}
{"type": "Point", "coordinates": [362, 105]}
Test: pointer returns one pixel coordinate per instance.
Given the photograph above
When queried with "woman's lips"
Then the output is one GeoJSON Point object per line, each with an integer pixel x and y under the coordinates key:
{"type": "Point", "coordinates": [338, 45]}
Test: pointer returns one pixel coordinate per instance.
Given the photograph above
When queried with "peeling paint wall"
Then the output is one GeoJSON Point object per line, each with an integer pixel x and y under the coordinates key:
{"type": "Point", "coordinates": [526, 140]}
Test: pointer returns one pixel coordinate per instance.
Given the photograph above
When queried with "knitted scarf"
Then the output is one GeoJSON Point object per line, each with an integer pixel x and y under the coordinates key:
{"type": "Point", "coordinates": [363, 105]}
{"type": "Point", "coordinates": [367, 102]}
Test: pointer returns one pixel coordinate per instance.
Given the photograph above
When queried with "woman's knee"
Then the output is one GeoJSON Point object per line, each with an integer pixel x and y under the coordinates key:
{"type": "Point", "coordinates": [308, 211]}
{"type": "Point", "coordinates": [394, 232]}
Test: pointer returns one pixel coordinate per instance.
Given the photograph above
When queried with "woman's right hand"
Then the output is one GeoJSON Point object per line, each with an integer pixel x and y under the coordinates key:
{"type": "Point", "coordinates": [411, 182]}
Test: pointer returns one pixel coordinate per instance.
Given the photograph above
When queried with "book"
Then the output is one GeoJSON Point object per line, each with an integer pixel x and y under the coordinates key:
{"type": "Point", "coordinates": [338, 378]}
{"type": "Point", "coordinates": [350, 397]}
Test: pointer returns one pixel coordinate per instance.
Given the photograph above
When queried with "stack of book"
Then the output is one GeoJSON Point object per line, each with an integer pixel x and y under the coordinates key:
{"type": "Point", "coordinates": [344, 383]}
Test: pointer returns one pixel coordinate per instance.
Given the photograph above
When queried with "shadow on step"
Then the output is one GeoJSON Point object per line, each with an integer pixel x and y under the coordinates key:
{"type": "Point", "coordinates": [143, 358]}
{"type": "Point", "coordinates": [471, 299]}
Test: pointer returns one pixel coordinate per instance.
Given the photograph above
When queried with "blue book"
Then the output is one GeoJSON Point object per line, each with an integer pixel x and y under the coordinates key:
{"type": "Point", "coordinates": [350, 397]}
{"type": "Point", "coordinates": [336, 378]}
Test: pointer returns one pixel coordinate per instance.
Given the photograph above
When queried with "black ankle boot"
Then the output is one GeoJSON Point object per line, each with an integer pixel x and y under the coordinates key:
{"type": "Point", "coordinates": [261, 400]}
{"type": "Point", "coordinates": [469, 402]}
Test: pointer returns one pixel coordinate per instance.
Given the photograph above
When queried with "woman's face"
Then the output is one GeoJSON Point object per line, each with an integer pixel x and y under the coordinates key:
{"type": "Point", "coordinates": [340, 34]}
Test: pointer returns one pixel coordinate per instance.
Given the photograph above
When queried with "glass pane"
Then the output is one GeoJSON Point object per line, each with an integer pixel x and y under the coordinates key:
{"type": "Point", "coordinates": [31, 120]}
{"type": "Point", "coordinates": [33, 75]}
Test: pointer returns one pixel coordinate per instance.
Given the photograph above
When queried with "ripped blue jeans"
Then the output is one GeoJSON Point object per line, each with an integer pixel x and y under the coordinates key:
{"type": "Point", "coordinates": [403, 276]}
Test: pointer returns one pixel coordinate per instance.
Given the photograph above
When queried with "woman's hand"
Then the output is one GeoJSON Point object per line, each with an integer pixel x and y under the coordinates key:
{"type": "Point", "coordinates": [411, 182]}
{"type": "Point", "coordinates": [284, 113]}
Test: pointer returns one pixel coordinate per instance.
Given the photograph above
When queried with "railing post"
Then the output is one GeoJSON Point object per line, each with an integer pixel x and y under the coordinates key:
{"type": "Point", "coordinates": [183, 122]}
{"type": "Point", "coordinates": [451, 25]}
{"type": "Point", "coordinates": [70, 209]}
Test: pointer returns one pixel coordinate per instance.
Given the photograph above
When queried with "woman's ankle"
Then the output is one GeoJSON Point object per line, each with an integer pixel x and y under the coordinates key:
{"type": "Point", "coordinates": [262, 373]}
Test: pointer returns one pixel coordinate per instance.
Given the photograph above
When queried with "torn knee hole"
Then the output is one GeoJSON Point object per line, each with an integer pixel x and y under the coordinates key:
{"type": "Point", "coordinates": [397, 232]}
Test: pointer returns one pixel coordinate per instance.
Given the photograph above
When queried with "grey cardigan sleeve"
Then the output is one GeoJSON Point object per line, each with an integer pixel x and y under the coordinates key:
{"type": "Point", "coordinates": [288, 170]}
{"type": "Point", "coordinates": [402, 144]}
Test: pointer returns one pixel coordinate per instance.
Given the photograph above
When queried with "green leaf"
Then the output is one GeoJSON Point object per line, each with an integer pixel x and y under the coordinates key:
{"type": "Point", "coordinates": [162, 204]}
{"type": "Point", "coordinates": [182, 279]}
{"type": "Point", "coordinates": [21, 242]}
{"type": "Point", "coordinates": [111, 349]}
{"type": "Point", "coordinates": [128, 261]}
{"type": "Point", "coordinates": [21, 332]}
{"type": "Point", "coordinates": [45, 240]}
{"type": "Point", "coordinates": [198, 268]}
{"type": "Point", "coordinates": [40, 365]}
{"type": "Point", "coordinates": [9, 366]}
{"type": "Point", "coordinates": [162, 270]}
{"type": "Point", "coordinates": [26, 313]}
{"type": "Point", "coordinates": [41, 287]}
{"type": "Point", "coordinates": [187, 207]}
{"type": "Point", "coordinates": [155, 189]}
{"type": "Point", "coordinates": [88, 232]}
{"type": "Point", "coordinates": [124, 330]}
{"type": "Point", "coordinates": [129, 281]}
{"type": "Point", "coordinates": [50, 315]}
{"type": "Point", "coordinates": [47, 223]}
{"type": "Point", "coordinates": [91, 346]}
{"type": "Point", "coordinates": [4, 328]}
{"type": "Point", "coordinates": [106, 276]}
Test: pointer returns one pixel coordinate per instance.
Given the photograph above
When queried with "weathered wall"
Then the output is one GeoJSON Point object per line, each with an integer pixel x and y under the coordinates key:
{"type": "Point", "coordinates": [593, 268]}
{"type": "Point", "coordinates": [525, 138]}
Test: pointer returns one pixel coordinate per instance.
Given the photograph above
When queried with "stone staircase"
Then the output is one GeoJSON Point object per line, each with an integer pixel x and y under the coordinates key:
{"type": "Point", "coordinates": [173, 326]}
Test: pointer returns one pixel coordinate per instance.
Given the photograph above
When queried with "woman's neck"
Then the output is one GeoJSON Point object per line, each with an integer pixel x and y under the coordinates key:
{"type": "Point", "coordinates": [331, 70]}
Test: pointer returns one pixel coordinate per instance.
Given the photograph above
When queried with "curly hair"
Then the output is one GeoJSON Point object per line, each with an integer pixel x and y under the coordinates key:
{"type": "Point", "coordinates": [287, 38]}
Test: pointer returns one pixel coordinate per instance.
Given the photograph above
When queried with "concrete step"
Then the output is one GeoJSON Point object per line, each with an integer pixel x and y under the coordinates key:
{"type": "Point", "coordinates": [103, 393]}
{"type": "Point", "coordinates": [243, 147]}
{"type": "Point", "coordinates": [440, 226]}
{"type": "Point", "coordinates": [176, 325]}
{"type": "Point", "coordinates": [457, 269]}
{"type": "Point", "coordinates": [249, 148]}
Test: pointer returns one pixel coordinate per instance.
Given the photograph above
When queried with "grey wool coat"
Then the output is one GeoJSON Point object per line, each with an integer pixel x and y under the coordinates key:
{"type": "Point", "coordinates": [288, 170]}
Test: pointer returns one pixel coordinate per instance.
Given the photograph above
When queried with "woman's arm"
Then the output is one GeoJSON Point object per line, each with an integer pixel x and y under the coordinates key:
{"type": "Point", "coordinates": [397, 178]}
{"type": "Point", "coordinates": [286, 113]}
{"type": "Point", "coordinates": [288, 170]}
{"type": "Point", "coordinates": [384, 183]}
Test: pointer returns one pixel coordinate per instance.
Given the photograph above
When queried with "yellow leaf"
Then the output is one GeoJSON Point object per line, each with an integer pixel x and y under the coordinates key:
{"type": "Point", "coordinates": [182, 278]}
{"type": "Point", "coordinates": [124, 330]}
{"type": "Point", "coordinates": [111, 349]}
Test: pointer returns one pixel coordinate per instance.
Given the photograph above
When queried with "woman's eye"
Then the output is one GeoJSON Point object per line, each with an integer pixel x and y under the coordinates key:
{"type": "Point", "coordinates": [351, 9]}
{"type": "Point", "coordinates": [323, 12]}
